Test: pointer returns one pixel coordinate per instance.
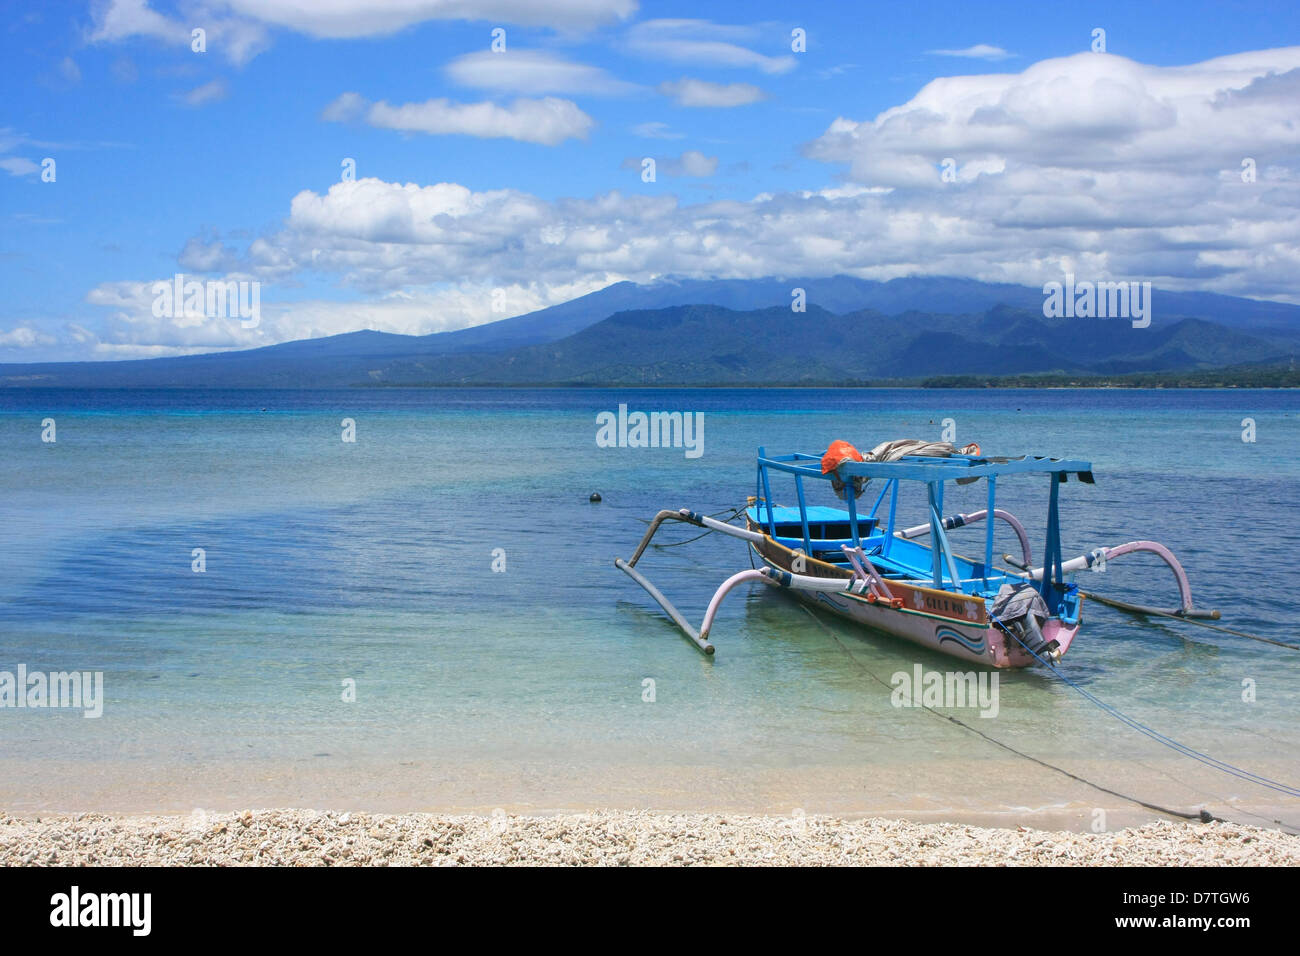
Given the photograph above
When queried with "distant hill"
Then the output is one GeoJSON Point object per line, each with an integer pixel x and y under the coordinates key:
{"type": "Point", "coordinates": [742, 332]}
{"type": "Point", "coordinates": [838, 294]}
{"type": "Point", "coordinates": [706, 345]}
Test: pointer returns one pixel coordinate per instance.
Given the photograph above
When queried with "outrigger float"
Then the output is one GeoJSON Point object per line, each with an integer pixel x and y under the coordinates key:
{"type": "Point", "coordinates": [861, 567]}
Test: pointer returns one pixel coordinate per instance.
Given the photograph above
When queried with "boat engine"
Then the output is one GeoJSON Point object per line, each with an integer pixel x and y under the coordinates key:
{"type": "Point", "coordinates": [1022, 611]}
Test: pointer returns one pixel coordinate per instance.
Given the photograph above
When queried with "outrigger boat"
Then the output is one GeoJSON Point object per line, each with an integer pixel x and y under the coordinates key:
{"type": "Point", "coordinates": [859, 565]}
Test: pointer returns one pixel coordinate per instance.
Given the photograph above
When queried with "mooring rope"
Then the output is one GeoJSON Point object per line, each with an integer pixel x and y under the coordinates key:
{"type": "Point", "coordinates": [1204, 816]}
{"type": "Point", "coordinates": [1214, 762]}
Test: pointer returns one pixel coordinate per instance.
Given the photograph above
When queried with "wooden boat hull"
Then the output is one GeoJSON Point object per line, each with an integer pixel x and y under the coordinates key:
{"type": "Point", "coordinates": [947, 622]}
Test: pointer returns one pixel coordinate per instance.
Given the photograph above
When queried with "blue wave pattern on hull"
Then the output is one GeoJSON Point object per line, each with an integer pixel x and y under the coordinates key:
{"type": "Point", "coordinates": [947, 634]}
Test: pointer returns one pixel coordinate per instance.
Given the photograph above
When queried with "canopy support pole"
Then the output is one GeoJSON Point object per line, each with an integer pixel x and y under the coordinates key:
{"type": "Point", "coordinates": [988, 531]}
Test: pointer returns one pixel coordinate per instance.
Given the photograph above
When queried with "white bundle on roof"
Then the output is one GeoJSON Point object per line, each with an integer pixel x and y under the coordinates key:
{"type": "Point", "coordinates": [901, 447]}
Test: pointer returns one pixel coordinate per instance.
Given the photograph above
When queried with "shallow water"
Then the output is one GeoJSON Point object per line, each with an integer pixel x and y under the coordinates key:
{"type": "Point", "coordinates": [372, 561]}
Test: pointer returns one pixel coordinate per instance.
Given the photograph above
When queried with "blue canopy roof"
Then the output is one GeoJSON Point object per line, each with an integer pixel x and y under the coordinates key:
{"type": "Point", "coordinates": [924, 468]}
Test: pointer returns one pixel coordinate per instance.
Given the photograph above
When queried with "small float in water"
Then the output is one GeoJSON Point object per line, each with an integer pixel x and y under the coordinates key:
{"type": "Point", "coordinates": [858, 564]}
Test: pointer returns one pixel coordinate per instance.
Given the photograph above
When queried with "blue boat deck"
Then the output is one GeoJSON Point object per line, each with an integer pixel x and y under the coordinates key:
{"type": "Point", "coordinates": [903, 560]}
{"type": "Point", "coordinates": [934, 564]}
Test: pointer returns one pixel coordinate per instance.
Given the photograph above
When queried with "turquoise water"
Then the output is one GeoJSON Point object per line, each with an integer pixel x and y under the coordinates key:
{"type": "Point", "coordinates": [372, 561]}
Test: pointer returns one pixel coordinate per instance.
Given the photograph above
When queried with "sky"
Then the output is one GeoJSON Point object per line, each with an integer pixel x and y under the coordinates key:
{"type": "Point", "coordinates": [417, 166]}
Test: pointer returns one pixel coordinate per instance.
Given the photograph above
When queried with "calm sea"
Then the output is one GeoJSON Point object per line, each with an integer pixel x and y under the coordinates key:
{"type": "Point", "coordinates": [556, 682]}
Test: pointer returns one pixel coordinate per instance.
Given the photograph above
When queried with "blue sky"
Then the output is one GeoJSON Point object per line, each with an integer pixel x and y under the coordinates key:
{"type": "Point", "coordinates": [226, 164]}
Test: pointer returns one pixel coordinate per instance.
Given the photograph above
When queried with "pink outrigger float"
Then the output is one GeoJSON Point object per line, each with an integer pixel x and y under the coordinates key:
{"type": "Point", "coordinates": [863, 568]}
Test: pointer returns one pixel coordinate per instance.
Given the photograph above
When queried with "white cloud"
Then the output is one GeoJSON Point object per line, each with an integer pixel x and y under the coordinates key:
{"type": "Point", "coordinates": [533, 72]}
{"type": "Point", "coordinates": [242, 28]}
{"type": "Point", "coordinates": [692, 92]}
{"type": "Point", "coordinates": [691, 163]}
{"type": "Point", "coordinates": [347, 107]}
{"type": "Point", "coordinates": [18, 166]}
{"type": "Point", "coordinates": [201, 256]}
{"type": "Point", "coordinates": [548, 121]}
{"type": "Point", "coordinates": [211, 92]}
{"type": "Point", "coordinates": [444, 216]}
{"type": "Point", "coordinates": [120, 19]}
{"type": "Point", "coordinates": [1099, 128]}
{"type": "Point", "coordinates": [238, 38]}
{"type": "Point", "coordinates": [656, 130]}
{"type": "Point", "coordinates": [1008, 218]}
{"type": "Point", "coordinates": [131, 330]}
{"type": "Point", "coordinates": [980, 51]}
{"type": "Point", "coordinates": [708, 44]}
{"type": "Point", "coordinates": [24, 337]}
{"type": "Point", "coordinates": [1091, 163]}
{"type": "Point", "coordinates": [356, 18]}
{"type": "Point", "coordinates": [377, 235]}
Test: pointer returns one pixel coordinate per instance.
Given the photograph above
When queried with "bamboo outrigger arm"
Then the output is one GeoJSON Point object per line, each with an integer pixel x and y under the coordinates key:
{"type": "Point", "coordinates": [699, 638]}
{"type": "Point", "coordinates": [770, 576]}
{"type": "Point", "coordinates": [961, 520]}
{"type": "Point", "coordinates": [690, 517]}
{"type": "Point", "coordinates": [1098, 558]}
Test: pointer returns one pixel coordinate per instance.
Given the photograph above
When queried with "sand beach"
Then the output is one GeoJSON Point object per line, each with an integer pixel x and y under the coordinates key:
{"type": "Point", "coordinates": [610, 838]}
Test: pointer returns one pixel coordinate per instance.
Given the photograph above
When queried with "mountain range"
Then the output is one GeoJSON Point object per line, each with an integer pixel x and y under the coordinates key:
{"type": "Point", "coordinates": [743, 332]}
